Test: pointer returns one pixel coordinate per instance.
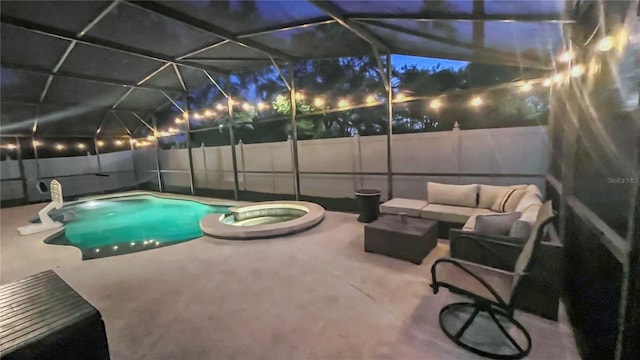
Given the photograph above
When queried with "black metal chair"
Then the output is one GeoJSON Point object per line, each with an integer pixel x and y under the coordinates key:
{"type": "Point", "coordinates": [492, 292]}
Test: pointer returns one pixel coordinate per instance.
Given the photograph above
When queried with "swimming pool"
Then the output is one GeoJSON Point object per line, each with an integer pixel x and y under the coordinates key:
{"type": "Point", "coordinates": [121, 225]}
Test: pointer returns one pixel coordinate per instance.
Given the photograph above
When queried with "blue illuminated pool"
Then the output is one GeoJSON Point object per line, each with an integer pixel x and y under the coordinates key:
{"type": "Point", "coordinates": [120, 225]}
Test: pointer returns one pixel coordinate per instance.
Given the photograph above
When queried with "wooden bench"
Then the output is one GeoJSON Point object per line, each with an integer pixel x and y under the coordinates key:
{"type": "Point", "coordinates": [41, 317]}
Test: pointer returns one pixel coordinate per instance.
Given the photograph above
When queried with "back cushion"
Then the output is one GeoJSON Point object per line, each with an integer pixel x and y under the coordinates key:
{"type": "Point", "coordinates": [456, 195]}
{"type": "Point", "coordinates": [530, 198]}
{"type": "Point", "coordinates": [489, 193]}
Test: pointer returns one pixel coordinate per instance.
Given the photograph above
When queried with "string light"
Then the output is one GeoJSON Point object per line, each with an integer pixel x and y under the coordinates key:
{"type": "Point", "coordinates": [557, 78]}
{"type": "Point", "coordinates": [81, 146]}
{"type": "Point", "coordinates": [178, 120]}
{"type": "Point", "coordinates": [318, 102]}
{"type": "Point", "coordinates": [59, 147]}
{"type": "Point", "coordinates": [435, 104]}
{"type": "Point", "coordinates": [207, 113]}
{"type": "Point", "coordinates": [299, 96]}
{"type": "Point", "coordinates": [197, 116]}
{"type": "Point", "coordinates": [220, 107]}
{"type": "Point", "coordinates": [546, 82]}
{"type": "Point", "coordinates": [151, 137]}
{"type": "Point", "coordinates": [119, 142]}
{"type": "Point", "coordinates": [262, 106]}
{"type": "Point", "coordinates": [605, 44]}
{"type": "Point", "coordinates": [476, 101]}
{"type": "Point", "coordinates": [577, 70]}
{"type": "Point", "coordinates": [246, 106]}
{"type": "Point", "coordinates": [526, 87]}
{"type": "Point", "coordinates": [11, 147]}
{"type": "Point", "coordinates": [400, 97]}
{"type": "Point", "coordinates": [100, 143]}
{"type": "Point", "coordinates": [371, 99]}
{"type": "Point", "coordinates": [36, 143]}
{"type": "Point", "coordinates": [565, 56]}
{"type": "Point", "coordinates": [343, 103]}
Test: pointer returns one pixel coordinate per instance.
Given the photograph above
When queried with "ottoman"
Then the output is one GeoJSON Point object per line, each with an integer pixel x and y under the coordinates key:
{"type": "Point", "coordinates": [410, 239]}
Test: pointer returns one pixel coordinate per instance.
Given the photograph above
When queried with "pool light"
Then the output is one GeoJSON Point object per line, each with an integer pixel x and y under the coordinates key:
{"type": "Point", "coordinates": [115, 247]}
{"type": "Point", "coordinates": [97, 250]}
{"type": "Point", "coordinates": [132, 244]}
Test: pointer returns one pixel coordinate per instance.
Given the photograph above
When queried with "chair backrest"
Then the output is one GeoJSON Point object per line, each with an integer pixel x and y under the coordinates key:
{"type": "Point", "coordinates": [538, 232]}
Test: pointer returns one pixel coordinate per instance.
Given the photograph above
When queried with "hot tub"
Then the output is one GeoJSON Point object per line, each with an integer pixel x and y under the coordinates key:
{"type": "Point", "coordinates": [263, 220]}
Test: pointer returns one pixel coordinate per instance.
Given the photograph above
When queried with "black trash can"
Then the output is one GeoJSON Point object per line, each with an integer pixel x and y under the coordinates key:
{"type": "Point", "coordinates": [368, 201]}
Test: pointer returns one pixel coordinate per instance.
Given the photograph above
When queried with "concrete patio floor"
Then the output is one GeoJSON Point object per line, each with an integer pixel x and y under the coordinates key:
{"type": "Point", "coordinates": [314, 295]}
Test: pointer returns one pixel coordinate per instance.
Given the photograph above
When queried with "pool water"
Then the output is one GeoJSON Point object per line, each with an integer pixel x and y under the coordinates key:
{"type": "Point", "coordinates": [121, 225]}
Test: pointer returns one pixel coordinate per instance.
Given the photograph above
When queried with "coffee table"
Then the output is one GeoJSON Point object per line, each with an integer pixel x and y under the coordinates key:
{"type": "Point", "coordinates": [410, 239]}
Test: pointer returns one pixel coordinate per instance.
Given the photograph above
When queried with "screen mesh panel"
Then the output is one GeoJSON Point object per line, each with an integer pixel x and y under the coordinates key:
{"type": "Point", "coordinates": [71, 16]}
{"type": "Point", "coordinates": [69, 120]}
{"type": "Point", "coordinates": [411, 7]}
{"type": "Point", "coordinates": [524, 7]}
{"type": "Point", "coordinates": [142, 29]}
{"type": "Point", "coordinates": [165, 78]}
{"type": "Point", "coordinates": [132, 123]}
{"type": "Point", "coordinates": [236, 65]}
{"type": "Point", "coordinates": [111, 126]}
{"type": "Point", "coordinates": [231, 50]}
{"type": "Point", "coordinates": [247, 16]}
{"type": "Point", "coordinates": [22, 85]}
{"type": "Point", "coordinates": [194, 78]}
{"type": "Point", "coordinates": [327, 40]}
{"type": "Point", "coordinates": [17, 118]}
{"type": "Point", "coordinates": [143, 99]}
{"type": "Point", "coordinates": [25, 48]}
{"type": "Point", "coordinates": [94, 61]}
{"type": "Point", "coordinates": [90, 94]}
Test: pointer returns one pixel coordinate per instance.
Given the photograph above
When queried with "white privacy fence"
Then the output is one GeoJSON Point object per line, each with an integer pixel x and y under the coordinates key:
{"type": "Point", "coordinates": [332, 168]}
{"type": "Point", "coordinates": [337, 167]}
{"type": "Point", "coordinates": [78, 175]}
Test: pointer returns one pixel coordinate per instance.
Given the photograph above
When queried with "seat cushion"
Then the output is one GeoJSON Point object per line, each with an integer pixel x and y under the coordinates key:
{"type": "Point", "coordinates": [530, 214]}
{"type": "Point", "coordinates": [456, 195]}
{"type": "Point", "coordinates": [534, 189]}
{"type": "Point", "coordinates": [487, 194]}
{"type": "Point", "coordinates": [399, 205]}
{"type": "Point", "coordinates": [448, 213]}
{"type": "Point", "coordinates": [501, 281]}
{"type": "Point", "coordinates": [471, 222]}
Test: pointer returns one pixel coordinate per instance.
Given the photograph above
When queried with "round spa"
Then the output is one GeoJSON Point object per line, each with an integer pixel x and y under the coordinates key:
{"type": "Point", "coordinates": [263, 220]}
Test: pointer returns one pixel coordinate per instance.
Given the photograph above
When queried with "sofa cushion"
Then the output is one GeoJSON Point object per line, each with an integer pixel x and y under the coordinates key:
{"type": "Point", "coordinates": [508, 201]}
{"type": "Point", "coordinates": [531, 213]}
{"type": "Point", "coordinates": [487, 194]}
{"type": "Point", "coordinates": [528, 199]}
{"type": "Point", "coordinates": [448, 213]}
{"type": "Point", "coordinates": [520, 229]}
{"type": "Point", "coordinates": [456, 195]}
{"type": "Point", "coordinates": [495, 224]}
{"type": "Point", "coordinates": [534, 189]}
{"type": "Point", "coordinates": [471, 222]}
{"type": "Point", "coordinates": [400, 205]}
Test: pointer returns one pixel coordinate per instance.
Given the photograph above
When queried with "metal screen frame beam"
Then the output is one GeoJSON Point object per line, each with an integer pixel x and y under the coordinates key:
{"type": "Point", "coordinates": [565, 18]}
{"type": "Point", "coordinates": [294, 131]}
{"type": "Point", "coordinates": [334, 12]}
{"type": "Point", "coordinates": [389, 130]}
{"type": "Point", "coordinates": [232, 142]}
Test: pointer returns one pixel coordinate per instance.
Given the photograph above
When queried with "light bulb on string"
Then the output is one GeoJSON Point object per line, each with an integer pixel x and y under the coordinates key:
{"type": "Point", "coordinates": [435, 104]}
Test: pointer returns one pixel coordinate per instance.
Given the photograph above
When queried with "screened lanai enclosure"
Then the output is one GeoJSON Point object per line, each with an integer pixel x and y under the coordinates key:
{"type": "Point", "coordinates": [312, 100]}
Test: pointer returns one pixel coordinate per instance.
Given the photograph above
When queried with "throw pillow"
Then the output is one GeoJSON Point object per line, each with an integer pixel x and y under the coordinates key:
{"type": "Point", "coordinates": [495, 224]}
{"type": "Point", "coordinates": [508, 201]}
{"type": "Point", "coordinates": [520, 229]}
